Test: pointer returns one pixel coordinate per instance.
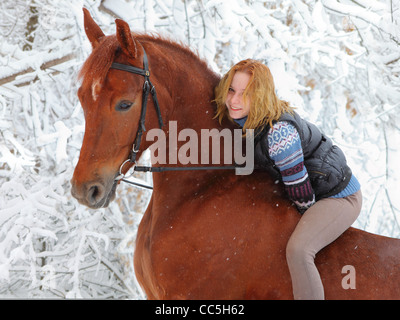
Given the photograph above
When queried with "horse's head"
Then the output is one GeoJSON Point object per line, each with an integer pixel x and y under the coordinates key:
{"type": "Point", "coordinates": [111, 100]}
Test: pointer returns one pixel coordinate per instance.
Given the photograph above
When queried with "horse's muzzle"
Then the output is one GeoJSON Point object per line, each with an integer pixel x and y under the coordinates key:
{"type": "Point", "coordinates": [94, 194]}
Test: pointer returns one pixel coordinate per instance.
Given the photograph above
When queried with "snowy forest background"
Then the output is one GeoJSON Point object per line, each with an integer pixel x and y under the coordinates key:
{"type": "Point", "coordinates": [337, 61]}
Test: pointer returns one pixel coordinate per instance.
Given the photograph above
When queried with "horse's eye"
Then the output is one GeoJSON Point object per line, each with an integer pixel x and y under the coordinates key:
{"type": "Point", "coordinates": [123, 105]}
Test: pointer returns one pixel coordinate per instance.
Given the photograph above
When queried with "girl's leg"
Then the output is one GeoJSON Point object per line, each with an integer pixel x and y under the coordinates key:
{"type": "Point", "coordinates": [320, 225]}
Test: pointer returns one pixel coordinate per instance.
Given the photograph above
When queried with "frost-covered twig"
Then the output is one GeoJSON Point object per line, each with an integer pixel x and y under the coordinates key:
{"type": "Point", "coordinates": [187, 21]}
{"type": "Point", "coordinates": [371, 18]}
{"type": "Point", "coordinates": [109, 11]}
{"type": "Point", "coordinates": [46, 65]}
{"type": "Point", "coordinates": [393, 209]}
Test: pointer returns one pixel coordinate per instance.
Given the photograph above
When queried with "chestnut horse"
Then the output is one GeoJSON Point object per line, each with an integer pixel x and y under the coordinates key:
{"type": "Point", "coordinates": [205, 234]}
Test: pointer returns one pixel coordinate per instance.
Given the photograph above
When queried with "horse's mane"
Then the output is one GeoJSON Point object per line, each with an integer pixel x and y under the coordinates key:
{"type": "Point", "coordinates": [95, 68]}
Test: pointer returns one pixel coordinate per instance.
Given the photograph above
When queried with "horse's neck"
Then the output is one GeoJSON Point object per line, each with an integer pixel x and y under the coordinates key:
{"type": "Point", "coordinates": [187, 91]}
{"type": "Point", "coordinates": [190, 85]}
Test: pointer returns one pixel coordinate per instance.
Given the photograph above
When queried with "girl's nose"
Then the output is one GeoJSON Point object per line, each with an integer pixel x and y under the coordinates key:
{"type": "Point", "coordinates": [235, 99]}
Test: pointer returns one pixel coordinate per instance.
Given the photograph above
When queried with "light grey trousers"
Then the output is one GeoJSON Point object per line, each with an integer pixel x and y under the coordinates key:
{"type": "Point", "coordinates": [319, 226]}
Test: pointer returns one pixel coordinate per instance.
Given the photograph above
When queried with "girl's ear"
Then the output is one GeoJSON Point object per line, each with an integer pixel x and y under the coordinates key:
{"type": "Point", "coordinates": [126, 39]}
{"type": "Point", "coordinates": [92, 30]}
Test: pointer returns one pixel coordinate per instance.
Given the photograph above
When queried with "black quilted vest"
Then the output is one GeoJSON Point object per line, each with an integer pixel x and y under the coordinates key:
{"type": "Point", "coordinates": [326, 164]}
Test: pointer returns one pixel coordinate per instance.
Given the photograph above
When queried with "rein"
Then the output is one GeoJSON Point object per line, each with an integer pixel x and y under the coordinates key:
{"type": "Point", "coordinates": [162, 169]}
{"type": "Point", "coordinates": [148, 88]}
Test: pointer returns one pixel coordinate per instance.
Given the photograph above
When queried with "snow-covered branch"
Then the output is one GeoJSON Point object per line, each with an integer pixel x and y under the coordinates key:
{"type": "Point", "coordinates": [30, 71]}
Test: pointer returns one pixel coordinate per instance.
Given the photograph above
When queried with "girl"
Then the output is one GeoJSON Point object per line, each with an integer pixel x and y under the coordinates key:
{"type": "Point", "coordinates": [314, 171]}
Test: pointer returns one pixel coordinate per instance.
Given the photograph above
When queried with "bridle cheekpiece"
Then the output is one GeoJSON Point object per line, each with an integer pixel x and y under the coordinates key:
{"type": "Point", "coordinates": [148, 88]}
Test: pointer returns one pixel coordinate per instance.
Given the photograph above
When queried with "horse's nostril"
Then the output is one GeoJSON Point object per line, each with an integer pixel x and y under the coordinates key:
{"type": "Point", "coordinates": [95, 194]}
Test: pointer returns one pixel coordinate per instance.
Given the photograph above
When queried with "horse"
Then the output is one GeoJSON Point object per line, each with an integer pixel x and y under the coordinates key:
{"type": "Point", "coordinates": [206, 234]}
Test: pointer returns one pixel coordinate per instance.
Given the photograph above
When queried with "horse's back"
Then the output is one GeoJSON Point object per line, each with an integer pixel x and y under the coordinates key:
{"type": "Point", "coordinates": [227, 240]}
{"type": "Point", "coordinates": [361, 265]}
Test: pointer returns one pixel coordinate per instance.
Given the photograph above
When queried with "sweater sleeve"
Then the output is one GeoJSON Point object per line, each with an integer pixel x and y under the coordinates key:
{"type": "Point", "coordinates": [286, 152]}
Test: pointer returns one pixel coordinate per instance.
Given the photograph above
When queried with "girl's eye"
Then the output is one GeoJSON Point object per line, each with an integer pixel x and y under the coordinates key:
{"type": "Point", "coordinates": [231, 90]}
{"type": "Point", "coordinates": [123, 105]}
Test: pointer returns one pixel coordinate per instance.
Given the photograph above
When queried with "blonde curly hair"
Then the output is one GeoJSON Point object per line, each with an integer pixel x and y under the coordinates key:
{"type": "Point", "coordinates": [265, 106]}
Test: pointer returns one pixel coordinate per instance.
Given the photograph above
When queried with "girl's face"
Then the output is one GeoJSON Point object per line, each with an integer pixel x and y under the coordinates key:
{"type": "Point", "coordinates": [234, 100]}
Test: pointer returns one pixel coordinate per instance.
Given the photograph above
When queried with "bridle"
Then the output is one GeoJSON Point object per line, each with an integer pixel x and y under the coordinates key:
{"type": "Point", "coordinates": [148, 88]}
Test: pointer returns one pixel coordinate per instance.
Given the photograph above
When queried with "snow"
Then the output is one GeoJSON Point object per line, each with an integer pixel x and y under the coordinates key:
{"type": "Point", "coordinates": [121, 8]}
{"type": "Point", "coordinates": [336, 62]}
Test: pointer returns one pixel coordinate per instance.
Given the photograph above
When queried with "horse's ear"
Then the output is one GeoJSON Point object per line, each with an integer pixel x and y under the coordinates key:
{"type": "Point", "coordinates": [125, 38]}
{"type": "Point", "coordinates": [92, 30]}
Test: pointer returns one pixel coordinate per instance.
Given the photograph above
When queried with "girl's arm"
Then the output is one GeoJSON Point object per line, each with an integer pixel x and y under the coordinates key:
{"type": "Point", "coordinates": [286, 151]}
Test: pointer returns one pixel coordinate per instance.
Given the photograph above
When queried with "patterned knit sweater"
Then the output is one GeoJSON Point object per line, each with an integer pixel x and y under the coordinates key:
{"type": "Point", "coordinates": [286, 151]}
